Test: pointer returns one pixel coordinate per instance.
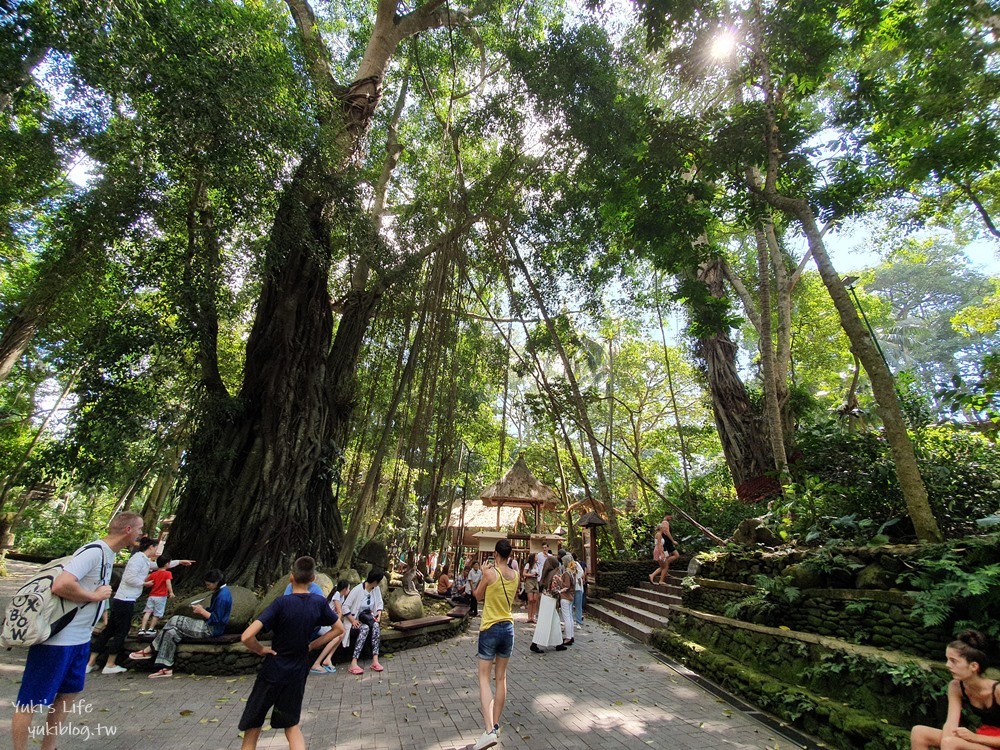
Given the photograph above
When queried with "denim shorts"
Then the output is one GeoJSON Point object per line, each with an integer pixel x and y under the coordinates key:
{"type": "Point", "coordinates": [497, 642]}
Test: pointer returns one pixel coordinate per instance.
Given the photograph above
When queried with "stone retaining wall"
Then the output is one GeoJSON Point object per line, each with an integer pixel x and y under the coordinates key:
{"type": "Point", "coordinates": [901, 690]}
{"type": "Point", "coordinates": [618, 575]}
{"type": "Point", "coordinates": [234, 658]}
{"type": "Point", "coordinates": [839, 725]}
{"type": "Point", "coordinates": [872, 617]}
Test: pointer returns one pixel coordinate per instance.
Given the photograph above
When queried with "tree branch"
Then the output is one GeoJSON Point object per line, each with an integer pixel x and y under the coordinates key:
{"type": "Point", "coordinates": [315, 50]}
{"type": "Point", "coordinates": [392, 275]}
{"type": "Point", "coordinates": [744, 295]}
{"type": "Point", "coordinates": [967, 189]}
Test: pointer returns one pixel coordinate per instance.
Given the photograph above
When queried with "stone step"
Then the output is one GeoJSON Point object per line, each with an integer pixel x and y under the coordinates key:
{"type": "Point", "coordinates": [620, 622]}
{"type": "Point", "coordinates": [656, 607]}
{"type": "Point", "coordinates": [636, 611]}
{"type": "Point", "coordinates": [660, 594]}
{"type": "Point", "coordinates": [834, 722]}
{"type": "Point", "coordinates": [672, 580]}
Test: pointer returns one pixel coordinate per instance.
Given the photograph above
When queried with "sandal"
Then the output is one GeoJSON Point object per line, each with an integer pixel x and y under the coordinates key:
{"type": "Point", "coordinates": [162, 673]}
{"type": "Point", "coordinates": [313, 670]}
{"type": "Point", "coordinates": [140, 655]}
{"type": "Point", "coordinates": [356, 670]}
{"type": "Point", "coordinates": [377, 668]}
{"type": "Point", "coordinates": [329, 668]}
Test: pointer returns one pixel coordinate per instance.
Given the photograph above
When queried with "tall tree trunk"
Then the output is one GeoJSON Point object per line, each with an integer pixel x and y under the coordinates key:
{"type": "Point", "coordinates": [862, 345]}
{"type": "Point", "coordinates": [685, 460]}
{"type": "Point", "coordinates": [744, 442]}
{"type": "Point", "coordinates": [258, 491]}
{"type": "Point", "coordinates": [772, 408]}
{"type": "Point", "coordinates": [883, 387]}
{"type": "Point", "coordinates": [153, 507]}
{"type": "Point", "coordinates": [367, 493]}
{"type": "Point", "coordinates": [262, 470]}
{"type": "Point", "coordinates": [10, 481]}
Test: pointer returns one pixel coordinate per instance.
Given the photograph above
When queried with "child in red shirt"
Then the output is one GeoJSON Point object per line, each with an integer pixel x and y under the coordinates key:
{"type": "Point", "coordinates": [161, 590]}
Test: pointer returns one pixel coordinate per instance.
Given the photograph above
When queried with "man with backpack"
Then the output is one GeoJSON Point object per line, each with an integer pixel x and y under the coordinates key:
{"type": "Point", "coordinates": [55, 669]}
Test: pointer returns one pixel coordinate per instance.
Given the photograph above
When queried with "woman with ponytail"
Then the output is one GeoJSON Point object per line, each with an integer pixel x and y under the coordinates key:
{"type": "Point", "coordinates": [967, 658]}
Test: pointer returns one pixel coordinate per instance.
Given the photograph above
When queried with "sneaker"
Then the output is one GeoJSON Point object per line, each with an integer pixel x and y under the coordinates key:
{"type": "Point", "coordinates": [90, 668]}
{"type": "Point", "coordinates": [489, 739]}
{"type": "Point", "coordinates": [117, 669]}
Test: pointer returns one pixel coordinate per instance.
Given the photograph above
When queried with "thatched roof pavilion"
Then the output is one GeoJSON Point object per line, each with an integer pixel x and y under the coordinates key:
{"type": "Point", "coordinates": [520, 489]}
{"type": "Point", "coordinates": [479, 517]}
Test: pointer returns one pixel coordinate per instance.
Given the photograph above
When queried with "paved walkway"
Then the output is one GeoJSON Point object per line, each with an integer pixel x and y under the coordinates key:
{"type": "Point", "coordinates": [604, 693]}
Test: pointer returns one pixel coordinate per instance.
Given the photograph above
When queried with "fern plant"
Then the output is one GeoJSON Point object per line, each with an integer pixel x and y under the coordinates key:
{"type": "Point", "coordinates": [949, 588]}
{"type": "Point", "coordinates": [769, 600]}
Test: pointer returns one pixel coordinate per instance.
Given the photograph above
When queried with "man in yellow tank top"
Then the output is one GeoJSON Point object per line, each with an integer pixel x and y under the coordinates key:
{"type": "Point", "coordinates": [496, 638]}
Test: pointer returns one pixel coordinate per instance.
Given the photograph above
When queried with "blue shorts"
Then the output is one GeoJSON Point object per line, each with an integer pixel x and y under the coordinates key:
{"type": "Point", "coordinates": [497, 642]}
{"type": "Point", "coordinates": [157, 605]}
{"type": "Point", "coordinates": [51, 671]}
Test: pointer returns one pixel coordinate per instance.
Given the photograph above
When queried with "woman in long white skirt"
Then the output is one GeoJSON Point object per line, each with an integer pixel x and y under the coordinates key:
{"type": "Point", "coordinates": [548, 634]}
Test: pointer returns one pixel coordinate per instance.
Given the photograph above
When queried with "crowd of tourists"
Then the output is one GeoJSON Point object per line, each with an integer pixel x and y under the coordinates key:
{"type": "Point", "coordinates": [302, 623]}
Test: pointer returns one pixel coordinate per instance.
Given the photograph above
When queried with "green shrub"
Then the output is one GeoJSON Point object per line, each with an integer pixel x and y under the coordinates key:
{"type": "Point", "coordinates": [53, 532]}
{"type": "Point", "coordinates": [850, 477]}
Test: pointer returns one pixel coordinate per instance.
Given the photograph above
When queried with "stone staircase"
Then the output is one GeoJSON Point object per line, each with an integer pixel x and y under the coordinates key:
{"type": "Point", "coordinates": [640, 609]}
{"type": "Point", "coordinates": [847, 695]}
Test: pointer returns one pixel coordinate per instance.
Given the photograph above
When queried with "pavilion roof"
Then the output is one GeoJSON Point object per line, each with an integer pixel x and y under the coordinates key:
{"type": "Point", "coordinates": [480, 516]}
{"type": "Point", "coordinates": [521, 488]}
{"type": "Point", "coordinates": [591, 519]}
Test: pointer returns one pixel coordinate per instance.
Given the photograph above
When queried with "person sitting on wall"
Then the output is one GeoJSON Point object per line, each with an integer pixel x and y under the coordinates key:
{"type": "Point", "coordinates": [444, 583]}
{"type": "Point", "coordinates": [362, 610]}
{"type": "Point", "coordinates": [967, 658]}
{"type": "Point", "coordinates": [207, 623]}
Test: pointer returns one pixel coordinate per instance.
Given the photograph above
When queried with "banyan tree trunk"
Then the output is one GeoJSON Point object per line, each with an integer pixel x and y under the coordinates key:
{"type": "Point", "coordinates": [741, 430]}
{"type": "Point", "coordinates": [259, 483]}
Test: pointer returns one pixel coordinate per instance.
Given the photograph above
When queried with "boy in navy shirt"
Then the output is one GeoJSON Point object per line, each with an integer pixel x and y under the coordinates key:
{"type": "Point", "coordinates": [281, 682]}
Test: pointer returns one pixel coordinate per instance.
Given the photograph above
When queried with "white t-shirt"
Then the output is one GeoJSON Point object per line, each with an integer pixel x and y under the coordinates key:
{"type": "Point", "coordinates": [539, 562]}
{"type": "Point", "coordinates": [135, 574]}
{"type": "Point", "coordinates": [360, 599]}
{"type": "Point", "coordinates": [92, 568]}
{"type": "Point", "coordinates": [337, 597]}
{"type": "Point", "coordinates": [475, 576]}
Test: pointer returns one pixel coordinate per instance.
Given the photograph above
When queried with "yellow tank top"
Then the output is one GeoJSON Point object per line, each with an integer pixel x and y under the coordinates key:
{"type": "Point", "coordinates": [499, 599]}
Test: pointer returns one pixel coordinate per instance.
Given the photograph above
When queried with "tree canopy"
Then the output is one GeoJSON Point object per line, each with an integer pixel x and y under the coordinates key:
{"type": "Point", "coordinates": [304, 277]}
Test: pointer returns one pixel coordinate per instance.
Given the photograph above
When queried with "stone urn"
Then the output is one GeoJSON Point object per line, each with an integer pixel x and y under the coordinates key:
{"type": "Point", "coordinates": [403, 606]}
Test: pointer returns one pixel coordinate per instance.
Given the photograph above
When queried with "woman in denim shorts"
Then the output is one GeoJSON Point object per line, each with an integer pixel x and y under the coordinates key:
{"type": "Point", "coordinates": [496, 639]}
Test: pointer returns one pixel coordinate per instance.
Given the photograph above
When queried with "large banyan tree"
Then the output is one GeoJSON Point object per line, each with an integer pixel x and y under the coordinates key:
{"type": "Point", "coordinates": [261, 471]}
